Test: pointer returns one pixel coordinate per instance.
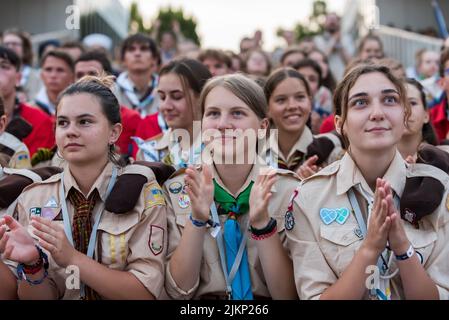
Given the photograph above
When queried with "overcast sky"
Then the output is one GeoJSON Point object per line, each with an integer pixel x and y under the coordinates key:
{"type": "Point", "coordinates": [222, 23]}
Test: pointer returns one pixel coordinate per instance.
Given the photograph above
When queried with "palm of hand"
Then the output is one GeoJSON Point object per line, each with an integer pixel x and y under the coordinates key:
{"type": "Point", "coordinates": [23, 246]}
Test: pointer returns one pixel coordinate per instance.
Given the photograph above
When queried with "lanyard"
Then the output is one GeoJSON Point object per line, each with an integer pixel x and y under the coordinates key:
{"type": "Point", "coordinates": [381, 263]}
{"type": "Point", "coordinates": [229, 277]}
{"type": "Point", "coordinates": [66, 218]}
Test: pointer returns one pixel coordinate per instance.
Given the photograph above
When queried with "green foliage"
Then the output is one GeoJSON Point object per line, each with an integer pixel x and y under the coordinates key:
{"type": "Point", "coordinates": [166, 17]}
{"type": "Point", "coordinates": [313, 25]}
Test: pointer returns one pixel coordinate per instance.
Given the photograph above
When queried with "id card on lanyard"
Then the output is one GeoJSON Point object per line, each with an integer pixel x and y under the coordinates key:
{"type": "Point", "coordinates": [68, 226]}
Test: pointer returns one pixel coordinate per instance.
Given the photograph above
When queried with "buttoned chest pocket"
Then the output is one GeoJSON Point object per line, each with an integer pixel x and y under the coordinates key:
{"type": "Point", "coordinates": [114, 232]}
{"type": "Point", "coordinates": [210, 249]}
{"type": "Point", "coordinates": [423, 241]}
{"type": "Point", "coordinates": [339, 244]}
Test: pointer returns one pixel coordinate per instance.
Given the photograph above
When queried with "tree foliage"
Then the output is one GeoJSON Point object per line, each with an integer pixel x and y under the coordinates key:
{"type": "Point", "coordinates": [166, 17]}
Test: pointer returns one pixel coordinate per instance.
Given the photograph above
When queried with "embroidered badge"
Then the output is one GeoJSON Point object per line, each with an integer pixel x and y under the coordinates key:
{"type": "Point", "coordinates": [184, 201]}
{"type": "Point", "coordinates": [51, 203]}
{"type": "Point", "coordinates": [153, 195]}
{"type": "Point", "coordinates": [342, 215]}
{"type": "Point", "coordinates": [328, 215]}
{"type": "Point", "coordinates": [22, 160]}
{"type": "Point", "coordinates": [36, 211]}
{"type": "Point", "coordinates": [409, 215]}
{"type": "Point", "coordinates": [156, 239]}
{"type": "Point", "coordinates": [175, 187]}
{"type": "Point", "coordinates": [289, 220]}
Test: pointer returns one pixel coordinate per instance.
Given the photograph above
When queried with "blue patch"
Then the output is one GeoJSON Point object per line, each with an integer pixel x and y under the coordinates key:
{"type": "Point", "coordinates": [328, 215]}
{"type": "Point", "coordinates": [342, 215]}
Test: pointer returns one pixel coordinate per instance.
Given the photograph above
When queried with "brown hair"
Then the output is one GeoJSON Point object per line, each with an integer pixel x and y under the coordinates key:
{"type": "Point", "coordinates": [193, 75]}
{"type": "Point", "coordinates": [243, 88]}
{"type": "Point", "coordinates": [216, 55]}
{"type": "Point", "coordinates": [61, 56]}
{"type": "Point", "coordinates": [280, 75]}
{"type": "Point", "coordinates": [367, 38]}
{"type": "Point", "coordinates": [27, 47]}
{"type": "Point", "coordinates": [99, 87]}
{"type": "Point", "coordinates": [341, 95]}
{"type": "Point", "coordinates": [444, 58]}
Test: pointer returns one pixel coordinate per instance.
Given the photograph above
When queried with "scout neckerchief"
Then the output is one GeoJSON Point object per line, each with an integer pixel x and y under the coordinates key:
{"type": "Point", "coordinates": [383, 292]}
{"type": "Point", "coordinates": [128, 89]}
{"type": "Point", "coordinates": [66, 218]}
{"type": "Point", "coordinates": [233, 243]}
{"type": "Point", "coordinates": [296, 159]}
{"type": "Point", "coordinates": [150, 153]}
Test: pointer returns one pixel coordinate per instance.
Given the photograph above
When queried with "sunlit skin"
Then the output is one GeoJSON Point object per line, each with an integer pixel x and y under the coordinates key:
{"type": "Point", "coordinates": [174, 104]}
{"type": "Point", "coordinates": [82, 128]}
{"type": "Point", "coordinates": [225, 112]}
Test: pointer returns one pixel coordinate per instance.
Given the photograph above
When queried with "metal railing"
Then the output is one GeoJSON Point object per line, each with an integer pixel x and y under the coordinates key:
{"type": "Point", "coordinates": [403, 45]}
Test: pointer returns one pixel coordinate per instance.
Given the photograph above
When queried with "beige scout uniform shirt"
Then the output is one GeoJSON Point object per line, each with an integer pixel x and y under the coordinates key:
{"type": "Point", "coordinates": [211, 279]}
{"type": "Point", "coordinates": [20, 156]}
{"type": "Point", "coordinates": [322, 252]}
{"type": "Point", "coordinates": [134, 242]}
{"type": "Point", "coordinates": [160, 147]}
{"type": "Point", "coordinates": [301, 145]}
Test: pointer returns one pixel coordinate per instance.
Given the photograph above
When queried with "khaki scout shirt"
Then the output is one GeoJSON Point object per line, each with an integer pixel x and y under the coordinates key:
{"type": "Point", "coordinates": [161, 147]}
{"type": "Point", "coordinates": [211, 279]}
{"type": "Point", "coordinates": [322, 252]}
{"type": "Point", "coordinates": [134, 242]}
{"type": "Point", "coordinates": [16, 149]}
{"type": "Point", "coordinates": [302, 144]}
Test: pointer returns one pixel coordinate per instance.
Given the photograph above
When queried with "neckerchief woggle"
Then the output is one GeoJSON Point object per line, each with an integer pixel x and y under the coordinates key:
{"type": "Point", "coordinates": [66, 218]}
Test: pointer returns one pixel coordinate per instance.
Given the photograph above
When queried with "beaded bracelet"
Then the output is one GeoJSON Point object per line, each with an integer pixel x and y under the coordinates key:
{"type": "Point", "coordinates": [264, 236]}
{"type": "Point", "coordinates": [23, 269]}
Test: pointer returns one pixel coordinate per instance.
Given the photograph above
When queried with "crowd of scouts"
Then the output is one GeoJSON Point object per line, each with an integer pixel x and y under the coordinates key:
{"type": "Point", "coordinates": [96, 205]}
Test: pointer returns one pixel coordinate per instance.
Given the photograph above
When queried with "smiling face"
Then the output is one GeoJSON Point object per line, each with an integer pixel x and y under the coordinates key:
{"type": "Point", "coordinates": [290, 106]}
{"type": "Point", "coordinates": [83, 133]}
{"type": "Point", "coordinates": [174, 102]}
{"type": "Point", "coordinates": [226, 113]}
{"type": "Point", "coordinates": [375, 116]}
{"type": "Point", "coordinates": [371, 49]}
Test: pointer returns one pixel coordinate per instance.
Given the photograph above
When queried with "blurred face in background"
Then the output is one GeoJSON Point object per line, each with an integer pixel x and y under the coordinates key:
{"type": "Point", "coordinates": [56, 74]}
{"type": "Point", "coordinates": [429, 65]}
{"type": "Point", "coordinates": [13, 42]}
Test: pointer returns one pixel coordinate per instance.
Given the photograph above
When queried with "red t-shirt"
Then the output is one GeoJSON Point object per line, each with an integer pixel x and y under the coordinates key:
{"type": "Point", "coordinates": [438, 117]}
{"type": "Point", "coordinates": [43, 133]}
{"type": "Point", "coordinates": [328, 124]}
{"type": "Point", "coordinates": [130, 121]}
{"type": "Point", "coordinates": [148, 128]}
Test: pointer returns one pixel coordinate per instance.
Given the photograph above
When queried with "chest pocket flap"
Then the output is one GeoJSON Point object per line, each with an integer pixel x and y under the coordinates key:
{"type": "Point", "coordinates": [117, 224]}
{"type": "Point", "coordinates": [342, 235]}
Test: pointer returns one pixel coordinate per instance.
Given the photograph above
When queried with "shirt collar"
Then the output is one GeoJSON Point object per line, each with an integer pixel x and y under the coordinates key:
{"type": "Point", "coordinates": [301, 145]}
{"type": "Point", "coordinates": [100, 184]}
{"type": "Point", "coordinates": [349, 175]}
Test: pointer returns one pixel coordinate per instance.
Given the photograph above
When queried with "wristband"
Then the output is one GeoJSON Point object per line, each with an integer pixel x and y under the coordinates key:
{"type": "Point", "coordinates": [23, 269]}
{"type": "Point", "coordinates": [267, 230]}
{"type": "Point", "coordinates": [264, 236]}
{"type": "Point", "coordinates": [200, 224]}
{"type": "Point", "coordinates": [405, 256]}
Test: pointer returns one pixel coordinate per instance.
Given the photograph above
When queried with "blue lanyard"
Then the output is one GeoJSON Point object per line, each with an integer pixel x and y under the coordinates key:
{"type": "Point", "coordinates": [66, 218]}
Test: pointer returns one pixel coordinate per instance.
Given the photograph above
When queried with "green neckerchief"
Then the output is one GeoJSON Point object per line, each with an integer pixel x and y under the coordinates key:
{"type": "Point", "coordinates": [228, 203]}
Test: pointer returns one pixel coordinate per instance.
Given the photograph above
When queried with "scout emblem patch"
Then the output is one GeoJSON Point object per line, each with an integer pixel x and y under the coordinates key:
{"type": "Point", "coordinates": [51, 203]}
{"type": "Point", "coordinates": [23, 160]}
{"type": "Point", "coordinates": [184, 201]}
{"type": "Point", "coordinates": [153, 195]}
{"type": "Point", "coordinates": [156, 239]}
{"type": "Point", "coordinates": [175, 187]}
{"type": "Point", "coordinates": [49, 213]}
{"type": "Point", "coordinates": [36, 211]}
{"type": "Point", "coordinates": [289, 218]}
